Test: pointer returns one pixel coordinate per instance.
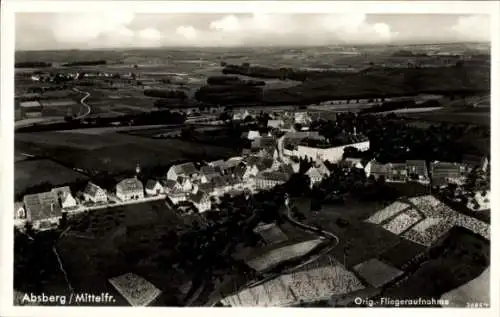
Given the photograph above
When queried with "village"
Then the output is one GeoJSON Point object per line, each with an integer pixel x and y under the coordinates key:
{"type": "Point", "coordinates": [271, 160]}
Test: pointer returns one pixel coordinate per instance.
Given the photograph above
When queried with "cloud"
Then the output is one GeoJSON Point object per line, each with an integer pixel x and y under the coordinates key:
{"type": "Point", "coordinates": [473, 27]}
{"type": "Point", "coordinates": [85, 27]}
{"type": "Point", "coordinates": [312, 29]}
{"type": "Point", "coordinates": [187, 32]}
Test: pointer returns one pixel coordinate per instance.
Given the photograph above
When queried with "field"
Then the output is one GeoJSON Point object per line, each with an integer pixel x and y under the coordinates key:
{"type": "Point", "coordinates": [455, 260]}
{"type": "Point", "coordinates": [359, 241]}
{"type": "Point", "coordinates": [115, 153]}
{"type": "Point", "coordinates": [29, 173]}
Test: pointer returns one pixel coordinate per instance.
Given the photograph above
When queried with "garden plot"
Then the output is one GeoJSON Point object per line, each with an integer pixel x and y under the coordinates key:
{"type": "Point", "coordinates": [402, 222]}
{"type": "Point", "coordinates": [387, 212]}
{"type": "Point", "coordinates": [307, 285]}
{"type": "Point", "coordinates": [377, 273]}
{"type": "Point", "coordinates": [474, 225]}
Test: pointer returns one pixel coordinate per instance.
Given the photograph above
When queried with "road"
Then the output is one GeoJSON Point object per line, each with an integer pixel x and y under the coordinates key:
{"type": "Point", "coordinates": [307, 227]}
{"type": "Point", "coordinates": [83, 103]}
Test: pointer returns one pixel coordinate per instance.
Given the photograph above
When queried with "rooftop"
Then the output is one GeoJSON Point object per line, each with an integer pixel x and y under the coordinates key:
{"type": "Point", "coordinates": [135, 289]}
{"type": "Point", "coordinates": [130, 184]}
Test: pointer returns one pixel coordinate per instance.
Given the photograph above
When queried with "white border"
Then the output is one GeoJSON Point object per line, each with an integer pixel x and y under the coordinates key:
{"type": "Point", "coordinates": [6, 115]}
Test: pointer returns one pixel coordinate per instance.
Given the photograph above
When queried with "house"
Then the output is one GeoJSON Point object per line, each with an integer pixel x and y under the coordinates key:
{"type": "Point", "coordinates": [220, 185]}
{"type": "Point", "coordinates": [129, 188]}
{"type": "Point", "coordinates": [186, 183]}
{"type": "Point", "coordinates": [443, 173]}
{"type": "Point", "coordinates": [417, 169]}
{"type": "Point", "coordinates": [476, 161]}
{"type": "Point", "coordinates": [314, 175]}
{"type": "Point", "coordinates": [239, 172]}
{"type": "Point", "coordinates": [397, 172]}
{"type": "Point", "coordinates": [94, 193]}
{"type": "Point", "coordinates": [251, 135]}
{"type": "Point", "coordinates": [241, 115]}
{"type": "Point", "coordinates": [201, 200]}
{"type": "Point", "coordinates": [207, 173]}
{"type": "Point", "coordinates": [154, 188]}
{"type": "Point", "coordinates": [275, 124]}
{"type": "Point", "coordinates": [171, 186]}
{"type": "Point", "coordinates": [64, 197]}
{"type": "Point", "coordinates": [266, 180]}
{"type": "Point", "coordinates": [353, 162]}
{"type": "Point", "coordinates": [43, 210]}
{"type": "Point", "coordinates": [251, 170]}
{"type": "Point", "coordinates": [207, 188]}
{"type": "Point", "coordinates": [19, 211]}
{"type": "Point", "coordinates": [264, 142]}
{"type": "Point", "coordinates": [377, 170]}
{"type": "Point", "coordinates": [184, 170]}
{"type": "Point", "coordinates": [302, 118]}
{"type": "Point", "coordinates": [177, 196]}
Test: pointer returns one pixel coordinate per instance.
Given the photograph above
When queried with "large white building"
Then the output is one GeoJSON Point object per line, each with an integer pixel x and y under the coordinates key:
{"type": "Point", "coordinates": [332, 154]}
{"type": "Point", "coordinates": [129, 188]}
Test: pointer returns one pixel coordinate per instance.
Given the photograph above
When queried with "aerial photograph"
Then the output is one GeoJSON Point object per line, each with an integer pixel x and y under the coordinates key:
{"type": "Point", "coordinates": [252, 160]}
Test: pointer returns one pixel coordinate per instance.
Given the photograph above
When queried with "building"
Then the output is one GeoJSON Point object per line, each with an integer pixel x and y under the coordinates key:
{"type": "Point", "coordinates": [43, 210]}
{"type": "Point", "coordinates": [377, 170]}
{"type": "Point", "coordinates": [31, 109]}
{"type": "Point", "coordinates": [353, 162]}
{"type": "Point", "coordinates": [476, 161]}
{"type": "Point", "coordinates": [177, 196]}
{"type": "Point", "coordinates": [207, 173]}
{"type": "Point", "coordinates": [170, 186]}
{"type": "Point", "coordinates": [417, 169]}
{"type": "Point", "coordinates": [396, 172]}
{"type": "Point", "coordinates": [241, 115]}
{"type": "Point", "coordinates": [302, 118]}
{"type": "Point", "coordinates": [264, 142]}
{"type": "Point", "coordinates": [443, 173]}
{"type": "Point", "coordinates": [267, 180]}
{"type": "Point", "coordinates": [201, 200]}
{"type": "Point", "coordinates": [275, 124]}
{"type": "Point", "coordinates": [326, 153]}
{"type": "Point", "coordinates": [129, 188]}
{"type": "Point", "coordinates": [314, 176]}
{"type": "Point", "coordinates": [184, 170]}
{"type": "Point", "coordinates": [94, 193]}
{"type": "Point", "coordinates": [154, 188]}
{"type": "Point", "coordinates": [64, 197]}
{"type": "Point", "coordinates": [185, 183]}
{"type": "Point", "coordinates": [250, 135]}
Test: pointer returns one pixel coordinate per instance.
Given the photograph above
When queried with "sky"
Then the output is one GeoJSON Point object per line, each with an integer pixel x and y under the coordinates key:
{"type": "Point", "coordinates": [75, 30]}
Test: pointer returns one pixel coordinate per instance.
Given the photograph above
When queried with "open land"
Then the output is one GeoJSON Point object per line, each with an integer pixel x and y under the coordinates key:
{"type": "Point", "coordinates": [113, 152]}
{"type": "Point", "coordinates": [28, 173]}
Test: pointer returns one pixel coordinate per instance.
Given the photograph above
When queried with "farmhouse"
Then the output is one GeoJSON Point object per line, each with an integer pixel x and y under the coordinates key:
{"type": "Point", "coordinates": [443, 173]}
{"type": "Point", "coordinates": [266, 180]}
{"type": "Point", "coordinates": [207, 173]}
{"type": "Point", "coordinates": [129, 188]}
{"type": "Point", "coordinates": [317, 173]}
{"type": "Point", "coordinates": [64, 197]}
{"type": "Point", "coordinates": [201, 200]}
{"type": "Point", "coordinates": [397, 172]}
{"type": "Point", "coordinates": [94, 193]}
{"type": "Point", "coordinates": [376, 169]}
{"type": "Point", "coordinates": [417, 169]}
{"type": "Point", "coordinates": [185, 170]}
{"type": "Point", "coordinates": [42, 210]}
{"type": "Point", "coordinates": [177, 196]}
{"type": "Point", "coordinates": [154, 188]}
